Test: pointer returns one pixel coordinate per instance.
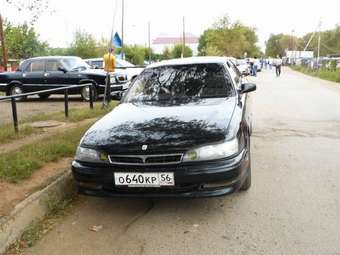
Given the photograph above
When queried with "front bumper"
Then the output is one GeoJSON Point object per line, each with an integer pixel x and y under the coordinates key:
{"type": "Point", "coordinates": [204, 179]}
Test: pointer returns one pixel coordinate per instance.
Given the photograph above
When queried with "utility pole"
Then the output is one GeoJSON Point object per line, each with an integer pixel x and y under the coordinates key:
{"type": "Point", "coordinates": [3, 45]}
{"type": "Point", "coordinates": [149, 42]}
{"type": "Point", "coordinates": [123, 29]}
{"type": "Point", "coordinates": [183, 41]}
{"type": "Point", "coordinates": [319, 43]}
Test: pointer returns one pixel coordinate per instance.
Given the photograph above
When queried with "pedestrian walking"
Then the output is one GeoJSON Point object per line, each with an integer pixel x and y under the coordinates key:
{"type": "Point", "coordinates": [278, 65]}
{"type": "Point", "coordinates": [255, 67]}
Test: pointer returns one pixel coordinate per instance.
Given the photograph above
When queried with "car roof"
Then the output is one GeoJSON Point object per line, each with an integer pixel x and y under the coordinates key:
{"type": "Point", "coordinates": [189, 61]}
{"type": "Point", "coordinates": [52, 57]}
{"type": "Point", "coordinates": [93, 59]}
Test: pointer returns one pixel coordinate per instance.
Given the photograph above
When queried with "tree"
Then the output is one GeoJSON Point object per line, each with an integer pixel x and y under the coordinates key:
{"type": "Point", "coordinates": [330, 42]}
{"type": "Point", "coordinates": [135, 54]}
{"type": "Point", "coordinates": [176, 51]}
{"type": "Point", "coordinates": [225, 38]}
{"type": "Point", "coordinates": [279, 43]}
{"type": "Point", "coordinates": [84, 45]}
{"type": "Point", "coordinates": [35, 7]}
{"type": "Point", "coordinates": [23, 42]}
{"type": "Point", "coordinates": [166, 54]}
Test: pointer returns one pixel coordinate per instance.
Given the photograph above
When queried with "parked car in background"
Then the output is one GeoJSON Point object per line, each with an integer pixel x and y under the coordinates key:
{"type": "Point", "coordinates": [243, 66]}
{"type": "Point", "coordinates": [123, 67]}
{"type": "Point", "coordinates": [43, 73]}
{"type": "Point", "coordinates": [182, 129]}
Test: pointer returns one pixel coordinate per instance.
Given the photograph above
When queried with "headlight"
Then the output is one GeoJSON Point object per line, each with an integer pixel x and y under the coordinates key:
{"type": "Point", "coordinates": [90, 155]}
{"type": "Point", "coordinates": [215, 151]}
{"type": "Point", "coordinates": [113, 79]}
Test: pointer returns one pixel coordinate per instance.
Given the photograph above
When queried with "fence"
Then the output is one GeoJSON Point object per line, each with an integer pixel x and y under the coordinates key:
{"type": "Point", "coordinates": [66, 89]}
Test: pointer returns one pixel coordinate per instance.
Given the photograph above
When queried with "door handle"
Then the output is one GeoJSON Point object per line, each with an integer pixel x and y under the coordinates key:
{"type": "Point", "coordinates": [46, 74]}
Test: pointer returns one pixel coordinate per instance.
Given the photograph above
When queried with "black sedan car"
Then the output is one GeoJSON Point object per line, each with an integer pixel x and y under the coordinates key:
{"type": "Point", "coordinates": [182, 129]}
{"type": "Point", "coordinates": [42, 73]}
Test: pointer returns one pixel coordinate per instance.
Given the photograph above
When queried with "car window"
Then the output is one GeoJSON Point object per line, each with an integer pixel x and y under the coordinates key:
{"type": "Point", "coordinates": [52, 65]}
{"type": "Point", "coordinates": [36, 66]}
{"type": "Point", "coordinates": [181, 82]}
{"type": "Point", "coordinates": [98, 64]}
{"type": "Point", "coordinates": [74, 64]}
{"type": "Point", "coordinates": [234, 74]}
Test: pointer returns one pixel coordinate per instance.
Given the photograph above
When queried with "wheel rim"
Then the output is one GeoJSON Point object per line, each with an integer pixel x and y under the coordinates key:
{"type": "Point", "coordinates": [16, 91]}
{"type": "Point", "coordinates": [86, 93]}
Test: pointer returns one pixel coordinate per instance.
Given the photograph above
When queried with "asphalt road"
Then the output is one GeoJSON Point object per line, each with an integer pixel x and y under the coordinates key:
{"type": "Point", "coordinates": [293, 206]}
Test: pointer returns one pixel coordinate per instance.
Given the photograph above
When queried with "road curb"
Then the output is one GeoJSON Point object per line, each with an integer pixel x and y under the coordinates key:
{"type": "Point", "coordinates": [34, 208]}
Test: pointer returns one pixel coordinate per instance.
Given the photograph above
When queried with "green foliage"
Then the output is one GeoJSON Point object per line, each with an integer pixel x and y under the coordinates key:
{"type": "Point", "coordinates": [176, 51]}
{"type": "Point", "coordinates": [330, 43]}
{"type": "Point", "coordinates": [19, 165]}
{"type": "Point", "coordinates": [330, 75]}
{"type": "Point", "coordinates": [225, 38]}
{"type": "Point", "coordinates": [58, 52]}
{"type": "Point", "coordinates": [135, 54]}
{"type": "Point", "coordinates": [278, 44]}
{"type": "Point", "coordinates": [83, 45]}
{"type": "Point", "coordinates": [23, 42]}
{"type": "Point", "coordinates": [166, 54]}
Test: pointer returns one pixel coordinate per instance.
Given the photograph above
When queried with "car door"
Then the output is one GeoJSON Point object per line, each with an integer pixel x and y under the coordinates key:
{"type": "Point", "coordinates": [33, 78]}
{"type": "Point", "coordinates": [54, 76]}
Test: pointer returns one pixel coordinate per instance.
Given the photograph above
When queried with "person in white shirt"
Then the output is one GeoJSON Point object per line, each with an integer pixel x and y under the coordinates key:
{"type": "Point", "coordinates": [278, 65]}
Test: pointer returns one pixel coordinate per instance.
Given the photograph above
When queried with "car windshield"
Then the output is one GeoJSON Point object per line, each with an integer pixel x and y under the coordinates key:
{"type": "Point", "coordinates": [180, 82]}
{"type": "Point", "coordinates": [241, 62]}
{"type": "Point", "coordinates": [73, 64]}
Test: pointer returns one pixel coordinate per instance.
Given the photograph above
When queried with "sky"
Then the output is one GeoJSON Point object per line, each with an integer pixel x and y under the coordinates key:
{"type": "Point", "coordinates": [64, 17]}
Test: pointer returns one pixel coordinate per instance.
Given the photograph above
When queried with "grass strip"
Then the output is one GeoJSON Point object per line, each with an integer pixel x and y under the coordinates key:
{"type": "Point", "coordinates": [7, 132]}
{"type": "Point", "coordinates": [19, 165]}
{"type": "Point", "coordinates": [324, 74]}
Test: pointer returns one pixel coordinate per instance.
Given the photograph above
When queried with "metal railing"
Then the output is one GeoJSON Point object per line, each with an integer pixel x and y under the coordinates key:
{"type": "Point", "coordinates": [41, 92]}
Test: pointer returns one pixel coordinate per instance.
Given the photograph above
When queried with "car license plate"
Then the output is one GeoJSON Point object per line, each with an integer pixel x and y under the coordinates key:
{"type": "Point", "coordinates": [144, 179]}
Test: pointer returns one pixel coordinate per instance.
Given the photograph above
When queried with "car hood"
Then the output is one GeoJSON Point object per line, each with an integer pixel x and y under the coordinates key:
{"type": "Point", "coordinates": [164, 128]}
{"type": "Point", "coordinates": [94, 72]}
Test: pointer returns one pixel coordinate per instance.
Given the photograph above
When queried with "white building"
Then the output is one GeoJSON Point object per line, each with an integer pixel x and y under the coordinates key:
{"type": "Point", "coordinates": [161, 42]}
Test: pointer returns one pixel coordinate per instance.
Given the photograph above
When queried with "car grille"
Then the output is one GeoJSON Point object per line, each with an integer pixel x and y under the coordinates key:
{"type": "Point", "coordinates": [163, 159]}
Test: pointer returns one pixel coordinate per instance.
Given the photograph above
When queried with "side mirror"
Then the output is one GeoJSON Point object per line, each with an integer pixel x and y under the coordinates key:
{"type": "Point", "coordinates": [247, 87]}
{"type": "Point", "coordinates": [62, 69]}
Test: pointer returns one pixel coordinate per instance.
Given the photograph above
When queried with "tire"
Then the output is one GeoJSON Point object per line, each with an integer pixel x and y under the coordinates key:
{"type": "Point", "coordinates": [85, 93]}
{"type": "Point", "coordinates": [247, 182]}
{"type": "Point", "coordinates": [44, 96]}
{"type": "Point", "coordinates": [16, 90]}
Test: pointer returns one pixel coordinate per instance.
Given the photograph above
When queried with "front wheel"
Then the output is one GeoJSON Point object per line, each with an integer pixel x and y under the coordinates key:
{"type": "Point", "coordinates": [247, 182]}
{"type": "Point", "coordinates": [85, 93]}
{"type": "Point", "coordinates": [16, 90]}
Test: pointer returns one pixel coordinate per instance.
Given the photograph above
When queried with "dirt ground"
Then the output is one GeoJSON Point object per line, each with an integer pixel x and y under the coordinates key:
{"type": "Point", "coordinates": [12, 194]}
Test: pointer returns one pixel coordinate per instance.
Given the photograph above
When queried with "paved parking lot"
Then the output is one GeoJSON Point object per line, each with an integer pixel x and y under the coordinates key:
{"type": "Point", "coordinates": [293, 206]}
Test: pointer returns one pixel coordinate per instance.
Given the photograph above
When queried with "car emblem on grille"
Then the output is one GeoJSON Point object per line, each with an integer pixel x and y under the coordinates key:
{"type": "Point", "coordinates": [144, 147]}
